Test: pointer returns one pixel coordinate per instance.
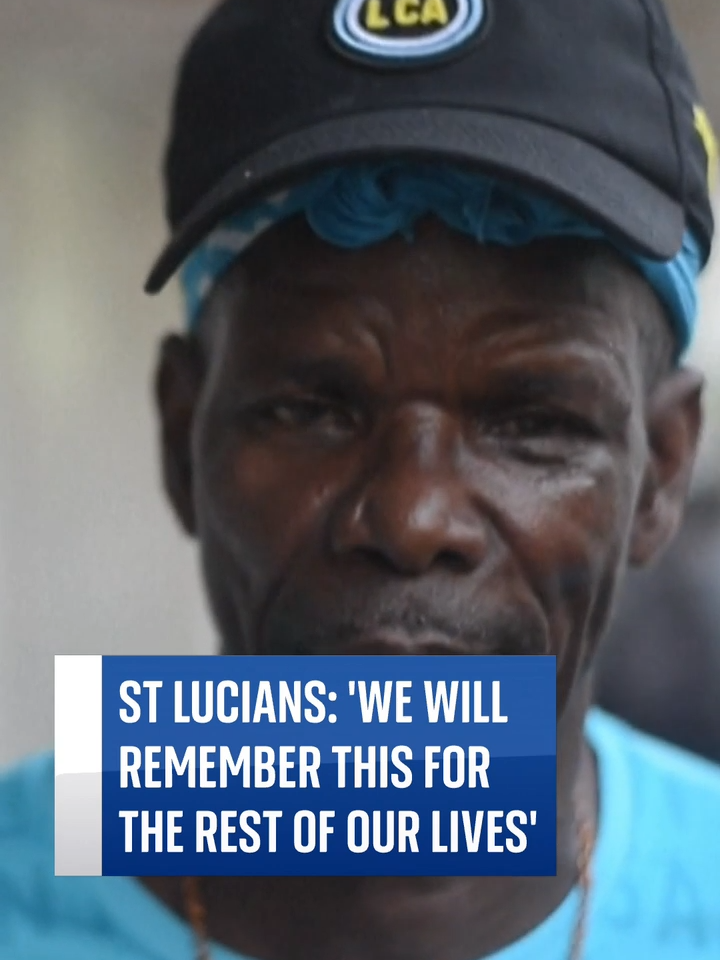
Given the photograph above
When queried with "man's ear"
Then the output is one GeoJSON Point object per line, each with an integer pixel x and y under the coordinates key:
{"type": "Point", "coordinates": [178, 384]}
{"type": "Point", "coordinates": [674, 419]}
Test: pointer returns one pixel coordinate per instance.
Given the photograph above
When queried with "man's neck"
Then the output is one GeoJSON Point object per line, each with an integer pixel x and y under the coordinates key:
{"type": "Point", "coordinates": [449, 918]}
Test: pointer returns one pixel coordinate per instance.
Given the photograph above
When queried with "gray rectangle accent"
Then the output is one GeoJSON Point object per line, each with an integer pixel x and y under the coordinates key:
{"type": "Point", "coordinates": [78, 825]}
{"type": "Point", "coordinates": [78, 766]}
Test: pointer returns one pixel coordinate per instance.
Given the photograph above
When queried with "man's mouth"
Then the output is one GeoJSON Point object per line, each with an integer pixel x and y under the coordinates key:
{"type": "Point", "coordinates": [400, 628]}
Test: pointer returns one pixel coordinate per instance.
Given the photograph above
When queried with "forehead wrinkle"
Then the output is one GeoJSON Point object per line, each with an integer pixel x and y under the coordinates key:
{"type": "Point", "coordinates": [515, 324]}
{"type": "Point", "coordinates": [584, 364]}
{"type": "Point", "coordinates": [334, 333]}
{"type": "Point", "coordinates": [551, 277]}
{"type": "Point", "coordinates": [242, 288]}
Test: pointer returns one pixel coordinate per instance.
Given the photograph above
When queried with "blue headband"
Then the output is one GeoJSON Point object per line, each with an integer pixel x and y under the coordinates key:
{"type": "Point", "coordinates": [359, 206]}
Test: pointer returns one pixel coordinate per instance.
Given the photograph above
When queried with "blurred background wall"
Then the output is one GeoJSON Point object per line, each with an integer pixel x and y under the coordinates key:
{"type": "Point", "coordinates": [90, 559]}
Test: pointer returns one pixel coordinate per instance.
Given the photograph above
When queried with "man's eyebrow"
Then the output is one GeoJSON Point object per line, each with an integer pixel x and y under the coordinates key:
{"type": "Point", "coordinates": [332, 373]}
{"type": "Point", "coordinates": [583, 382]}
{"type": "Point", "coordinates": [541, 383]}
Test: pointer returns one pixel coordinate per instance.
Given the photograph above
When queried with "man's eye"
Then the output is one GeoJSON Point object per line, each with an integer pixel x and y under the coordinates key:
{"type": "Point", "coordinates": [306, 414]}
{"type": "Point", "coordinates": [540, 424]}
{"type": "Point", "coordinates": [537, 425]}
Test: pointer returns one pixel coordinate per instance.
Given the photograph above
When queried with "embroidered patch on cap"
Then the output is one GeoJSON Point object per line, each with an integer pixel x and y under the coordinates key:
{"type": "Point", "coordinates": [406, 32]}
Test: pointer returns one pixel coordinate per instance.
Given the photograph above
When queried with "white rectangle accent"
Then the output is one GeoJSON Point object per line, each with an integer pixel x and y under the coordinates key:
{"type": "Point", "coordinates": [78, 766]}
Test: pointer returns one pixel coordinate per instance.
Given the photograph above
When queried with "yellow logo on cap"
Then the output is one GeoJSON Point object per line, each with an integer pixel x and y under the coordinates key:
{"type": "Point", "coordinates": [398, 14]}
{"type": "Point", "coordinates": [406, 30]}
{"type": "Point", "coordinates": [707, 135]}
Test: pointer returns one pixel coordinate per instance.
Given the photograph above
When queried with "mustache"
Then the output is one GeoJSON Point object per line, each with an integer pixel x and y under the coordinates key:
{"type": "Point", "coordinates": [300, 625]}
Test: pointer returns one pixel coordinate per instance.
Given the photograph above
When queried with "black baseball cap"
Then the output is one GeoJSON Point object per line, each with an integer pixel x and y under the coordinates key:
{"type": "Point", "coordinates": [591, 101]}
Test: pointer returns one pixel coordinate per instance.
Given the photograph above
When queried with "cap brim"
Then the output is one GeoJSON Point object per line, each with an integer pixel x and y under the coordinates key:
{"type": "Point", "coordinates": [591, 181]}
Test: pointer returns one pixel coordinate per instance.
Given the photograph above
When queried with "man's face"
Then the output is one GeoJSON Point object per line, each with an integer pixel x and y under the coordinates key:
{"type": "Point", "coordinates": [426, 447]}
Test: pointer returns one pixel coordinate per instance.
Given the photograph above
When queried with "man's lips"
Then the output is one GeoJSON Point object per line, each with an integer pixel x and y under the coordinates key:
{"type": "Point", "coordinates": [406, 631]}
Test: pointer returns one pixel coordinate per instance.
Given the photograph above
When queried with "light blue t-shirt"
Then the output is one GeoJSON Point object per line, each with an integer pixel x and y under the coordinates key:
{"type": "Point", "coordinates": [656, 892]}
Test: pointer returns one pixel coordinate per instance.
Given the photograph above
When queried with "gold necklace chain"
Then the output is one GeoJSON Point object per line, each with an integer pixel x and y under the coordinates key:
{"type": "Point", "coordinates": [196, 907]}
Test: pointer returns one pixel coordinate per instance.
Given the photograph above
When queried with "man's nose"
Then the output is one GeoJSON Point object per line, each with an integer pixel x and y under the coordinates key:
{"type": "Point", "coordinates": [413, 510]}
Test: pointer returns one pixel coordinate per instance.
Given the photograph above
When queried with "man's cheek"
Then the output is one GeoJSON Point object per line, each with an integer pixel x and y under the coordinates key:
{"type": "Point", "coordinates": [569, 532]}
{"type": "Point", "coordinates": [265, 510]}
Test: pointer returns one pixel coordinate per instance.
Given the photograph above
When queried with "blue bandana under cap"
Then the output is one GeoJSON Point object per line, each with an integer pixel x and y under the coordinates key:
{"type": "Point", "coordinates": [354, 207]}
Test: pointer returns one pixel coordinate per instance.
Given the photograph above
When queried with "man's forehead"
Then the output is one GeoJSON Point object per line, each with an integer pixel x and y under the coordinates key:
{"type": "Point", "coordinates": [297, 298]}
{"type": "Point", "coordinates": [290, 264]}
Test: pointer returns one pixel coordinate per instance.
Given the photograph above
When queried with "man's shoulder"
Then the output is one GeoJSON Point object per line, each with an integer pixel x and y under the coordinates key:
{"type": "Point", "coordinates": [26, 837]}
{"type": "Point", "coordinates": [664, 792]}
{"type": "Point", "coordinates": [26, 849]}
{"type": "Point", "coordinates": [68, 918]}
{"type": "Point", "coordinates": [658, 860]}
{"type": "Point", "coordinates": [26, 801]}
{"type": "Point", "coordinates": [657, 769]}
